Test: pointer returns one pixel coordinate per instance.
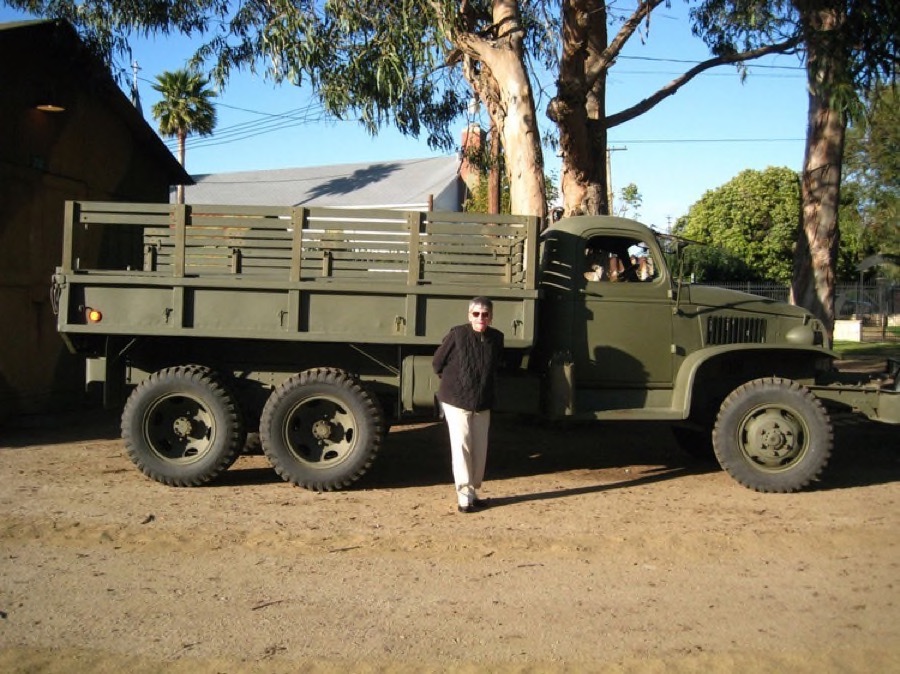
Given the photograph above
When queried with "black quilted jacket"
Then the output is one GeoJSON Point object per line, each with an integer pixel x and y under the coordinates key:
{"type": "Point", "coordinates": [467, 362]}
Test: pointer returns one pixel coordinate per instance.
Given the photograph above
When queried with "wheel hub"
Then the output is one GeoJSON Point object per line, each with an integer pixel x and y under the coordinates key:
{"type": "Point", "coordinates": [771, 438]}
{"type": "Point", "coordinates": [182, 427]}
{"type": "Point", "coordinates": [321, 429]}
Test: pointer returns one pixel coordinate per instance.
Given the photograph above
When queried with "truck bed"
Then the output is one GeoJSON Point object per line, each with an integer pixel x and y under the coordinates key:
{"type": "Point", "coordinates": [292, 273]}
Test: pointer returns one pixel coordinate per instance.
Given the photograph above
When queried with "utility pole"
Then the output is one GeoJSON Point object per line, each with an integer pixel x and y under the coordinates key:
{"type": "Point", "coordinates": [494, 179]}
{"type": "Point", "coordinates": [135, 94]}
{"type": "Point", "coordinates": [609, 183]}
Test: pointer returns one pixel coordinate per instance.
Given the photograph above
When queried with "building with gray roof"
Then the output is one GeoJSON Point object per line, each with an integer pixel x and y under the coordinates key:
{"type": "Point", "coordinates": [411, 184]}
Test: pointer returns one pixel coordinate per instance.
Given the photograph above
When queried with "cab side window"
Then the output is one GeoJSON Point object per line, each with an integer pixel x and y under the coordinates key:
{"type": "Point", "coordinates": [618, 259]}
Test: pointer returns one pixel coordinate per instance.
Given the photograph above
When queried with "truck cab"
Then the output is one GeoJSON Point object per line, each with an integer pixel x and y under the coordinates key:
{"type": "Point", "coordinates": [623, 339]}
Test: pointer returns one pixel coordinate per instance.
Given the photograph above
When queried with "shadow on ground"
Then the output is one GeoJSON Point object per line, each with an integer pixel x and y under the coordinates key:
{"type": "Point", "coordinates": [866, 453]}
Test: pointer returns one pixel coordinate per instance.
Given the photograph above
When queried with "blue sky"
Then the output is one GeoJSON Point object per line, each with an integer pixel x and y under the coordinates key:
{"type": "Point", "coordinates": [692, 142]}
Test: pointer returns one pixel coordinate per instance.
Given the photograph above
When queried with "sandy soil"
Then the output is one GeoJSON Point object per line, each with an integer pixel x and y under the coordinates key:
{"type": "Point", "coordinates": [606, 550]}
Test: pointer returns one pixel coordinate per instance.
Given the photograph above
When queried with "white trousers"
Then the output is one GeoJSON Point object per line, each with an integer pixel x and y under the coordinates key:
{"type": "Point", "coordinates": [468, 449]}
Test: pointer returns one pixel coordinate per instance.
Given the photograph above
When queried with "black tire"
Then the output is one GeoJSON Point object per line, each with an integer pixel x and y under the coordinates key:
{"type": "Point", "coordinates": [321, 429]}
{"type": "Point", "coordinates": [182, 427]}
{"type": "Point", "coordinates": [773, 435]}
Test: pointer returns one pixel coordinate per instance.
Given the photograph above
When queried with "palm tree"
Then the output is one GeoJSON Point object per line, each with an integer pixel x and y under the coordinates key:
{"type": "Point", "coordinates": [185, 108]}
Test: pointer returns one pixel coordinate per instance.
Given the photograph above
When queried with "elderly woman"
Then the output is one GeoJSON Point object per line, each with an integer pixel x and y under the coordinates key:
{"type": "Point", "coordinates": [467, 362]}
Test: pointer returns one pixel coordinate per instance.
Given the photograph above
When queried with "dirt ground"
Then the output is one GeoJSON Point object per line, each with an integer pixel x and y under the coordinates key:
{"type": "Point", "coordinates": [607, 549]}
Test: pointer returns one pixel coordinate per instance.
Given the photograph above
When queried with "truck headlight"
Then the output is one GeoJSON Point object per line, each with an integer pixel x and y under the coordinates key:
{"type": "Point", "coordinates": [801, 335]}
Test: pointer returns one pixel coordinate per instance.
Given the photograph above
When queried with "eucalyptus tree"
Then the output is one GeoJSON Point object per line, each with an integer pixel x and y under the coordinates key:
{"type": "Point", "coordinates": [411, 63]}
{"type": "Point", "coordinates": [848, 46]}
{"type": "Point", "coordinates": [416, 63]}
{"type": "Point", "coordinates": [589, 49]}
{"type": "Point", "coordinates": [185, 108]}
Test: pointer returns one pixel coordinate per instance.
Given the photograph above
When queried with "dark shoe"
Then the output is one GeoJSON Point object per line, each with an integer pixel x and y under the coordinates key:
{"type": "Point", "coordinates": [466, 508]}
{"type": "Point", "coordinates": [482, 503]}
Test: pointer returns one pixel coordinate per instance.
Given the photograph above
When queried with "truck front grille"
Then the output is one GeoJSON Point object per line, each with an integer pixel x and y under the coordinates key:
{"type": "Point", "coordinates": [735, 330]}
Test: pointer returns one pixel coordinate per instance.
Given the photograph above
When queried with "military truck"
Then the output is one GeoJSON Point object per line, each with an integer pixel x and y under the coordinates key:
{"type": "Point", "coordinates": [314, 328]}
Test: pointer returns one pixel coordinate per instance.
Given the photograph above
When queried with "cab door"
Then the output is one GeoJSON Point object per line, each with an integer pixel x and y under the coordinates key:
{"type": "Point", "coordinates": [626, 334]}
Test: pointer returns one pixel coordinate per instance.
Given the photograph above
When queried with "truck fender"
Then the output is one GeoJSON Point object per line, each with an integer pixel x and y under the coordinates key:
{"type": "Point", "coordinates": [683, 392]}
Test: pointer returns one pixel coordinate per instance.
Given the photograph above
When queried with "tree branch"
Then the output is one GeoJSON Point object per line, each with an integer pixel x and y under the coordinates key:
{"type": "Point", "coordinates": [640, 108]}
{"type": "Point", "coordinates": [602, 61]}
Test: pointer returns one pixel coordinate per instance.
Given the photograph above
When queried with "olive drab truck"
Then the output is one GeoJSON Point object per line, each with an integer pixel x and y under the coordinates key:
{"type": "Point", "coordinates": [315, 328]}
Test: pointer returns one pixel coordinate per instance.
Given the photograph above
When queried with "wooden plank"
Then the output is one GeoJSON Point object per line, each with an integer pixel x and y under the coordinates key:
{"type": "Point", "coordinates": [465, 279]}
{"type": "Point", "coordinates": [226, 210]}
{"type": "Point", "coordinates": [530, 254]}
{"type": "Point", "coordinates": [357, 214]}
{"type": "Point", "coordinates": [179, 216]}
{"type": "Point", "coordinates": [454, 217]}
{"type": "Point", "coordinates": [166, 255]}
{"type": "Point", "coordinates": [278, 234]}
{"type": "Point", "coordinates": [95, 218]}
{"type": "Point", "coordinates": [358, 227]}
{"type": "Point", "coordinates": [434, 251]}
{"type": "Point", "coordinates": [69, 220]}
{"type": "Point", "coordinates": [460, 270]}
{"type": "Point", "coordinates": [121, 207]}
{"type": "Point", "coordinates": [473, 228]}
{"type": "Point", "coordinates": [262, 224]}
{"type": "Point", "coordinates": [299, 221]}
{"type": "Point", "coordinates": [473, 236]}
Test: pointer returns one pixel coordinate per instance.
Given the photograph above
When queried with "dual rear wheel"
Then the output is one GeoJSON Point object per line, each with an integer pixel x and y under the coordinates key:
{"type": "Point", "coordinates": [320, 429]}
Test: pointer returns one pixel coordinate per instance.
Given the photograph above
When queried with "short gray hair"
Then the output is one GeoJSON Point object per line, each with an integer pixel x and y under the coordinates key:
{"type": "Point", "coordinates": [481, 302]}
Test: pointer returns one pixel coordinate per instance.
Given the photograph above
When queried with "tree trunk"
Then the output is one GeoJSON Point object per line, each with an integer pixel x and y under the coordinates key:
{"type": "Point", "coordinates": [515, 118]}
{"type": "Point", "coordinates": [815, 258]}
{"type": "Point", "coordinates": [497, 73]}
{"type": "Point", "coordinates": [179, 189]}
{"type": "Point", "coordinates": [579, 109]}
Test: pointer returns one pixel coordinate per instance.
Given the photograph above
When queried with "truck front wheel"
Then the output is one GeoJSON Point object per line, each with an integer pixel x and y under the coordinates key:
{"type": "Point", "coordinates": [773, 435]}
{"type": "Point", "coordinates": [321, 429]}
{"type": "Point", "coordinates": [182, 427]}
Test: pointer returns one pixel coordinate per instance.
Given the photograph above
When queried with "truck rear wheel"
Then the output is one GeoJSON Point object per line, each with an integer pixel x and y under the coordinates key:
{"type": "Point", "coordinates": [321, 429]}
{"type": "Point", "coordinates": [182, 426]}
{"type": "Point", "coordinates": [773, 435]}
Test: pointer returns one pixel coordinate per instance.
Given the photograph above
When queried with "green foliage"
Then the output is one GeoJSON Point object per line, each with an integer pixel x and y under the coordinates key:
{"type": "Point", "coordinates": [630, 201]}
{"type": "Point", "coordinates": [477, 201]}
{"type": "Point", "coordinates": [870, 196]}
{"type": "Point", "coordinates": [754, 219]}
{"type": "Point", "coordinates": [186, 106]}
{"type": "Point", "coordinates": [711, 265]}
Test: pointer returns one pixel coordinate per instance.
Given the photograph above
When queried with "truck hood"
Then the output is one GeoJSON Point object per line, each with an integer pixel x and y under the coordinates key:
{"type": "Point", "coordinates": [734, 300]}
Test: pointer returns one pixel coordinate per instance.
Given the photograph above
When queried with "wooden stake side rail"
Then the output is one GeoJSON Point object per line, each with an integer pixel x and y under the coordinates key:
{"type": "Point", "coordinates": [327, 275]}
{"type": "Point", "coordinates": [300, 244]}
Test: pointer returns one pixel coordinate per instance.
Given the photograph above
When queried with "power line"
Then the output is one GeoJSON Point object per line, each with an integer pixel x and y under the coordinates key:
{"type": "Point", "coordinates": [314, 112]}
{"type": "Point", "coordinates": [648, 141]}
{"type": "Point", "coordinates": [749, 64]}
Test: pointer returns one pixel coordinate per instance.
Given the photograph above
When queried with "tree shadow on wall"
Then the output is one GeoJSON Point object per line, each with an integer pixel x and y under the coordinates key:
{"type": "Point", "coordinates": [354, 182]}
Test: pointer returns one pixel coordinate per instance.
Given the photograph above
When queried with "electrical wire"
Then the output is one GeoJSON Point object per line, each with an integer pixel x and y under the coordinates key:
{"type": "Point", "coordinates": [314, 112]}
